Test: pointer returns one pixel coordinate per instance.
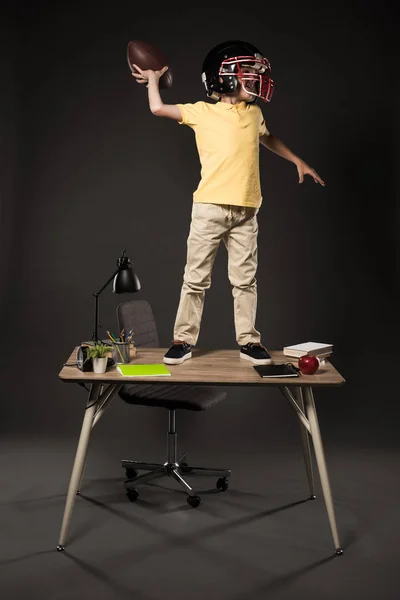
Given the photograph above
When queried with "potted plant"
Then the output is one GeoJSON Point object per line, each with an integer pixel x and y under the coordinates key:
{"type": "Point", "coordinates": [98, 354]}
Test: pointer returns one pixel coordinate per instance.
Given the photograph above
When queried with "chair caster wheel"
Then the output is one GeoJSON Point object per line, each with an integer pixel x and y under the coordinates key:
{"type": "Point", "coordinates": [194, 501]}
{"type": "Point", "coordinates": [222, 484]}
{"type": "Point", "coordinates": [132, 494]}
{"type": "Point", "coordinates": [60, 548]}
{"type": "Point", "coordinates": [131, 473]}
{"type": "Point", "coordinates": [339, 552]}
{"type": "Point", "coordinates": [184, 467]}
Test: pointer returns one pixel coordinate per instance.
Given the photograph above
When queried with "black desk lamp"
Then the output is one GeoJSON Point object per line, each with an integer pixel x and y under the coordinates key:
{"type": "Point", "coordinates": [125, 282]}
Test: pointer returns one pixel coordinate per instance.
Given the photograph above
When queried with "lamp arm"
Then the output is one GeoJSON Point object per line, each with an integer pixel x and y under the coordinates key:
{"type": "Point", "coordinates": [107, 282]}
{"type": "Point", "coordinates": [95, 336]}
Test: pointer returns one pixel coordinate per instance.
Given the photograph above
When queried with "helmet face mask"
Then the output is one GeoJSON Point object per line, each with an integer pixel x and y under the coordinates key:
{"type": "Point", "coordinates": [234, 64]}
{"type": "Point", "coordinates": [255, 81]}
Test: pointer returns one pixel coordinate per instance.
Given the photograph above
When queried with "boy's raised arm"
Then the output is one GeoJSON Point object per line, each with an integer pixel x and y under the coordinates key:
{"type": "Point", "coordinates": [157, 106]}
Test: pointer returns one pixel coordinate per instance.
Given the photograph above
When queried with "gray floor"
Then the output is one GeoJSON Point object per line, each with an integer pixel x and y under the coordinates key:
{"type": "Point", "coordinates": [260, 539]}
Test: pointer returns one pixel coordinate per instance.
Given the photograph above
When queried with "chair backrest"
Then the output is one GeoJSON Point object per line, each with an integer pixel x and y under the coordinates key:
{"type": "Point", "coordinates": [138, 316]}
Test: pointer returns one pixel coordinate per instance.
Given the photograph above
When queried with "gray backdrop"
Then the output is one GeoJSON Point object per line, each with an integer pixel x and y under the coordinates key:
{"type": "Point", "coordinates": [87, 170]}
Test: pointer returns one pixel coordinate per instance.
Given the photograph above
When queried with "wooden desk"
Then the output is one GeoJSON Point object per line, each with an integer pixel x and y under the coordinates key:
{"type": "Point", "coordinates": [207, 367]}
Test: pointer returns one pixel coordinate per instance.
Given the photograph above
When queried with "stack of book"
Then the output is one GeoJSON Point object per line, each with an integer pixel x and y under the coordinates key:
{"type": "Point", "coordinates": [322, 351]}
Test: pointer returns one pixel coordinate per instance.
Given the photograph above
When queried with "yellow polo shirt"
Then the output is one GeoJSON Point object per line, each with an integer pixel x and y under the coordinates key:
{"type": "Point", "coordinates": [227, 138]}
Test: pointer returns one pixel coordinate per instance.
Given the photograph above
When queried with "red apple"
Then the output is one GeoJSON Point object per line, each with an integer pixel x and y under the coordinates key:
{"type": "Point", "coordinates": [308, 364]}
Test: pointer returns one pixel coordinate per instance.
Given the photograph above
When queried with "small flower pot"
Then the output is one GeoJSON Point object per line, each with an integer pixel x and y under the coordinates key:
{"type": "Point", "coordinates": [100, 365]}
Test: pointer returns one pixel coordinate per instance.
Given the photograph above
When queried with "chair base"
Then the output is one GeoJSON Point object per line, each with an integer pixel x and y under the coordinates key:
{"type": "Point", "coordinates": [171, 469]}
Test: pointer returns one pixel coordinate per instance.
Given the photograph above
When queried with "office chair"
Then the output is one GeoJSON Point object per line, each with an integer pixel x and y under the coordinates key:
{"type": "Point", "coordinates": [137, 315]}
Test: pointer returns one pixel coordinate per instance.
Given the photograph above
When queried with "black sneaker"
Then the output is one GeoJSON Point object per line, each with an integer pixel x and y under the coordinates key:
{"type": "Point", "coordinates": [255, 353]}
{"type": "Point", "coordinates": [178, 352]}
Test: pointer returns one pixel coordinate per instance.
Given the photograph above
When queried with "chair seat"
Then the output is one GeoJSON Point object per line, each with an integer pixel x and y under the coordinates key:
{"type": "Point", "coordinates": [186, 397]}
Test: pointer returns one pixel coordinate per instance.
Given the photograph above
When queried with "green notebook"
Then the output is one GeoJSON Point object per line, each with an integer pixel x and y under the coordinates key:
{"type": "Point", "coordinates": [143, 370]}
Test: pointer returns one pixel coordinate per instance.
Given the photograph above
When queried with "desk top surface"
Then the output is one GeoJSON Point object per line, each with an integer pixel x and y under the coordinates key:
{"type": "Point", "coordinates": [213, 367]}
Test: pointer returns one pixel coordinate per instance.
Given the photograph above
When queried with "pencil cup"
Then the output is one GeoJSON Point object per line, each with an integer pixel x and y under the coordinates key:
{"type": "Point", "coordinates": [122, 352]}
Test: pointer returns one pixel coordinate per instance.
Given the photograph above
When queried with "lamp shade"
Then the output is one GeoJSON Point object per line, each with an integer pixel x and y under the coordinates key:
{"type": "Point", "coordinates": [126, 282]}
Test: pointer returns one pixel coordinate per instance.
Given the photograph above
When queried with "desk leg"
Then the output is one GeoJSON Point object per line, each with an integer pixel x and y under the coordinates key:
{"type": "Point", "coordinates": [77, 469]}
{"type": "Point", "coordinates": [104, 401]}
{"type": "Point", "coordinates": [320, 457]}
{"type": "Point", "coordinates": [306, 445]}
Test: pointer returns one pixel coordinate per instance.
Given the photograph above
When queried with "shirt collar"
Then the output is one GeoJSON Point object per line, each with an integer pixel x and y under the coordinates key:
{"type": "Point", "coordinates": [226, 106]}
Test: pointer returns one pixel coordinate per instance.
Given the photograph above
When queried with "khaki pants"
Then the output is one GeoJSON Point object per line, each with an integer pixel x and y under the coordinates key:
{"type": "Point", "coordinates": [237, 226]}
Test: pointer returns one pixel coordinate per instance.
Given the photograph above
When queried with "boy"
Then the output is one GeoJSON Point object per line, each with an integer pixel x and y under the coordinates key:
{"type": "Point", "coordinates": [228, 197]}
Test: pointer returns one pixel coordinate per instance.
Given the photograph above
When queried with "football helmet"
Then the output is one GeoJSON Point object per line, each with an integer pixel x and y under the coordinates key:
{"type": "Point", "coordinates": [229, 62]}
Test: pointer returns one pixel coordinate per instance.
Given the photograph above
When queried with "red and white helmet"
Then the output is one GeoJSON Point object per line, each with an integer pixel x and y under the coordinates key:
{"type": "Point", "coordinates": [228, 61]}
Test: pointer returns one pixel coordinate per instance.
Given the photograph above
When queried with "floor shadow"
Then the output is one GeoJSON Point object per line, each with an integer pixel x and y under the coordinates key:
{"type": "Point", "coordinates": [232, 492]}
{"type": "Point", "coordinates": [193, 541]}
{"type": "Point", "coordinates": [280, 582]}
{"type": "Point", "coordinates": [160, 507]}
{"type": "Point", "coordinates": [30, 500]}
{"type": "Point", "coordinates": [10, 561]}
{"type": "Point", "coordinates": [83, 530]}
{"type": "Point", "coordinates": [118, 589]}
{"type": "Point", "coordinates": [208, 531]}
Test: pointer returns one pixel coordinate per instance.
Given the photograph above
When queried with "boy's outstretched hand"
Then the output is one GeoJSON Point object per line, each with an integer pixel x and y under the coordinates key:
{"type": "Point", "coordinates": [305, 169]}
{"type": "Point", "coordinates": [143, 75]}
